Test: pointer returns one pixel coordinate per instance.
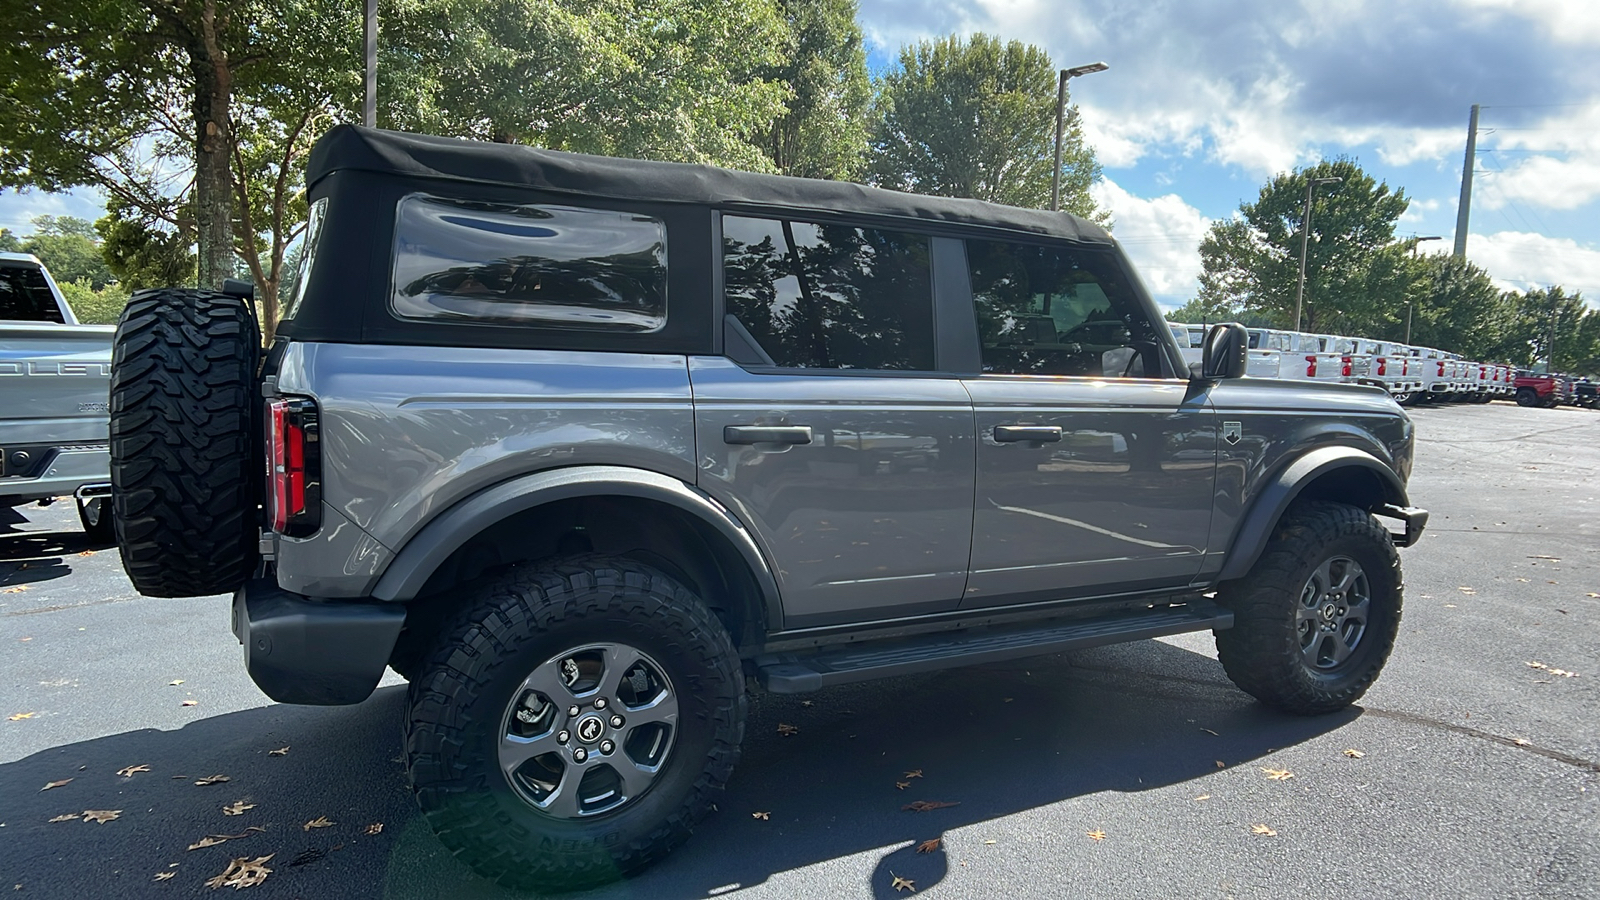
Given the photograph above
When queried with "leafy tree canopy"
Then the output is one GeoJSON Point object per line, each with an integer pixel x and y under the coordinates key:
{"type": "Point", "coordinates": [975, 117]}
{"type": "Point", "coordinates": [822, 132]}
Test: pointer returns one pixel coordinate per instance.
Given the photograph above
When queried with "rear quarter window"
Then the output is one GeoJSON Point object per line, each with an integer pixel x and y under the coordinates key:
{"type": "Point", "coordinates": [548, 265]}
{"type": "Point", "coordinates": [25, 296]}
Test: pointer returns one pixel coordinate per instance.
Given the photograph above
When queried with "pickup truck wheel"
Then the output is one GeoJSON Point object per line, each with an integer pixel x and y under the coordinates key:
{"type": "Point", "coordinates": [574, 722]}
{"type": "Point", "coordinates": [1405, 398]}
{"type": "Point", "coordinates": [1315, 619]}
{"type": "Point", "coordinates": [95, 516]}
{"type": "Point", "coordinates": [184, 434]}
{"type": "Point", "coordinates": [1527, 397]}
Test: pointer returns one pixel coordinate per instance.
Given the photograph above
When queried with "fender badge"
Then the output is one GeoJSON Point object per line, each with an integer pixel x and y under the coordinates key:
{"type": "Point", "coordinates": [1232, 432]}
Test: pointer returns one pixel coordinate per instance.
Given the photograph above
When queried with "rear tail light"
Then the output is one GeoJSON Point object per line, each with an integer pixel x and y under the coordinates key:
{"type": "Point", "coordinates": [1311, 367]}
{"type": "Point", "coordinates": [1441, 368]}
{"type": "Point", "coordinates": [1383, 366]}
{"type": "Point", "coordinates": [294, 467]}
{"type": "Point", "coordinates": [1345, 366]}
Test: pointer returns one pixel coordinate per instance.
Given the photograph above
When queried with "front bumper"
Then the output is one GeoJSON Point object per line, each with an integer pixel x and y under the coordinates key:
{"type": "Point", "coordinates": [298, 649]}
{"type": "Point", "coordinates": [1414, 519]}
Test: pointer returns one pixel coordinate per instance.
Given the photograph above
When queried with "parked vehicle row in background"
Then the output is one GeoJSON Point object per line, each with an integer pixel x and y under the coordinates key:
{"type": "Point", "coordinates": [1410, 374]}
{"type": "Point", "coordinates": [54, 386]}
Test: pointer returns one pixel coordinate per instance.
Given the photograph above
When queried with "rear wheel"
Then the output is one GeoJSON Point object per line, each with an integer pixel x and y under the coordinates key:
{"type": "Point", "coordinates": [574, 723]}
{"type": "Point", "coordinates": [1315, 619]}
{"type": "Point", "coordinates": [1404, 398]}
{"type": "Point", "coordinates": [184, 433]}
{"type": "Point", "coordinates": [1527, 397]}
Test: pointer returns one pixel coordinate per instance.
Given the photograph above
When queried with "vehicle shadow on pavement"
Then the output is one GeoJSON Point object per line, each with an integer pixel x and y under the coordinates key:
{"type": "Point", "coordinates": [28, 555]}
{"type": "Point", "coordinates": [994, 740]}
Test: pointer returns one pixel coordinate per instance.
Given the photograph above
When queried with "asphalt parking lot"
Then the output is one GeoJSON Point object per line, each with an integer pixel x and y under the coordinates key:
{"type": "Point", "coordinates": [1466, 772]}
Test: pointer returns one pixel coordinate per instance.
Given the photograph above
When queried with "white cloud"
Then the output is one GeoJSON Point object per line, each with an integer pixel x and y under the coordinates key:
{"type": "Point", "coordinates": [1162, 237]}
{"type": "Point", "coordinates": [1568, 21]}
{"type": "Point", "coordinates": [1519, 260]}
{"type": "Point", "coordinates": [1419, 210]}
{"type": "Point", "coordinates": [17, 208]}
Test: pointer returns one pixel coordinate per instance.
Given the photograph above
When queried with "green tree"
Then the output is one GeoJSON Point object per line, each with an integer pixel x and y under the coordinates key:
{"type": "Point", "coordinates": [67, 247]}
{"type": "Point", "coordinates": [91, 306]}
{"type": "Point", "coordinates": [9, 243]}
{"type": "Point", "coordinates": [1355, 272]}
{"type": "Point", "coordinates": [141, 253]}
{"type": "Point", "coordinates": [1455, 306]}
{"type": "Point", "coordinates": [1535, 317]}
{"type": "Point", "coordinates": [672, 79]}
{"type": "Point", "coordinates": [976, 118]}
{"type": "Point", "coordinates": [823, 131]}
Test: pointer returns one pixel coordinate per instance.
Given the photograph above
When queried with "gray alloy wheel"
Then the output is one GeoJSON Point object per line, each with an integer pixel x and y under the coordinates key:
{"type": "Point", "coordinates": [589, 730]}
{"type": "Point", "coordinates": [1332, 618]}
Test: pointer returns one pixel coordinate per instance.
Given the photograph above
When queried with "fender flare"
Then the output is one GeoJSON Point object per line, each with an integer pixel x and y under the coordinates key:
{"type": "Point", "coordinates": [447, 532]}
{"type": "Point", "coordinates": [1250, 540]}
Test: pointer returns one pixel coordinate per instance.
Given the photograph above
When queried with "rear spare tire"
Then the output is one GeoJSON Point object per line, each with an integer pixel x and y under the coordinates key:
{"type": "Point", "coordinates": [184, 433]}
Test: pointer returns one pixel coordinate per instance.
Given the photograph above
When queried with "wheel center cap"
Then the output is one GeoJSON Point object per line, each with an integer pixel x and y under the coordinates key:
{"type": "Point", "coordinates": [1329, 611]}
{"type": "Point", "coordinates": [590, 728]}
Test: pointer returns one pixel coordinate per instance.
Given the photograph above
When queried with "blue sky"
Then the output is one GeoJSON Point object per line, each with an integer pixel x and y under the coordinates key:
{"type": "Point", "coordinates": [1208, 99]}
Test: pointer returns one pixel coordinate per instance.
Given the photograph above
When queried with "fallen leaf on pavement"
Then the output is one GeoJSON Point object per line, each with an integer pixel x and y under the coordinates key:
{"type": "Point", "coordinates": [69, 817]}
{"type": "Point", "coordinates": [163, 876]}
{"type": "Point", "coordinates": [787, 730]}
{"type": "Point", "coordinates": [1221, 764]}
{"type": "Point", "coordinates": [101, 815]}
{"type": "Point", "coordinates": [1523, 580]}
{"type": "Point", "coordinates": [130, 771]}
{"type": "Point", "coordinates": [1354, 754]}
{"type": "Point", "coordinates": [1210, 732]}
{"type": "Point", "coordinates": [281, 751]}
{"type": "Point", "coordinates": [1278, 774]}
{"type": "Point", "coordinates": [207, 841]}
{"type": "Point", "coordinates": [930, 846]}
{"type": "Point", "coordinates": [991, 842]}
{"type": "Point", "coordinates": [1521, 742]}
{"type": "Point", "coordinates": [15, 590]}
{"type": "Point", "coordinates": [902, 785]}
{"type": "Point", "coordinates": [318, 822]}
{"type": "Point", "coordinates": [914, 773]}
{"type": "Point", "coordinates": [763, 816]}
{"type": "Point", "coordinates": [242, 873]}
{"type": "Point", "coordinates": [237, 808]}
{"type": "Point", "coordinates": [1203, 797]}
{"type": "Point", "coordinates": [375, 828]}
{"type": "Point", "coordinates": [902, 884]}
{"type": "Point", "coordinates": [1262, 830]}
{"type": "Point", "coordinates": [175, 682]}
{"type": "Point", "coordinates": [190, 703]}
{"type": "Point", "coordinates": [925, 805]}
{"type": "Point", "coordinates": [212, 779]}
{"type": "Point", "coordinates": [18, 717]}
{"type": "Point", "coordinates": [86, 553]}
{"type": "Point", "coordinates": [211, 840]}
{"type": "Point", "coordinates": [1551, 558]}
{"type": "Point", "coordinates": [1592, 594]}
{"type": "Point", "coordinates": [1096, 835]}
{"type": "Point", "coordinates": [55, 784]}
{"type": "Point", "coordinates": [1466, 590]}
{"type": "Point", "coordinates": [807, 703]}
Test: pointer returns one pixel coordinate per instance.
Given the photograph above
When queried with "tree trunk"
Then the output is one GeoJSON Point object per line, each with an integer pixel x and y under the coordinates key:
{"type": "Point", "coordinates": [213, 177]}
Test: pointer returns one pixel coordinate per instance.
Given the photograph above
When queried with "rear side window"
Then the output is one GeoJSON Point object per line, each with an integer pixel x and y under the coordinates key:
{"type": "Point", "coordinates": [25, 296]}
{"type": "Point", "coordinates": [529, 264]}
{"type": "Point", "coordinates": [1052, 310]}
{"type": "Point", "coordinates": [830, 296]}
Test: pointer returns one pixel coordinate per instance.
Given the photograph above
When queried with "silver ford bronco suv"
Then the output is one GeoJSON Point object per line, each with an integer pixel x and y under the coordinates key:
{"type": "Point", "coordinates": [582, 446]}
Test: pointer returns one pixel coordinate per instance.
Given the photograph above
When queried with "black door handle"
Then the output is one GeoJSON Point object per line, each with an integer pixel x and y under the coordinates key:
{"type": "Point", "coordinates": [766, 434]}
{"type": "Point", "coordinates": [1010, 434]}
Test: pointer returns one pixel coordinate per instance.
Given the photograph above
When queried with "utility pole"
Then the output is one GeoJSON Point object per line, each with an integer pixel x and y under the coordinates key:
{"type": "Point", "coordinates": [1464, 208]}
{"type": "Point", "coordinates": [1061, 113]}
{"type": "Point", "coordinates": [369, 111]}
{"type": "Point", "coordinates": [1415, 240]}
{"type": "Point", "coordinates": [1305, 238]}
{"type": "Point", "coordinates": [1550, 348]}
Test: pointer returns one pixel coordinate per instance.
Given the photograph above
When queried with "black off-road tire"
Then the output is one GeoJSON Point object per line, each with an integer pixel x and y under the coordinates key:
{"type": "Point", "coordinates": [460, 693]}
{"type": "Point", "coordinates": [1261, 652]}
{"type": "Point", "coordinates": [185, 433]}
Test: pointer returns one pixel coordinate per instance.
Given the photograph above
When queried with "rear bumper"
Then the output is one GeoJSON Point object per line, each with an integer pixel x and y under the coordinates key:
{"type": "Point", "coordinates": [1414, 519]}
{"type": "Point", "coordinates": [69, 469]}
{"type": "Point", "coordinates": [317, 652]}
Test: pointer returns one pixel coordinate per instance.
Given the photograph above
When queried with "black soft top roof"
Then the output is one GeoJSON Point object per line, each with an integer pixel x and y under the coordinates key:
{"type": "Point", "coordinates": [422, 156]}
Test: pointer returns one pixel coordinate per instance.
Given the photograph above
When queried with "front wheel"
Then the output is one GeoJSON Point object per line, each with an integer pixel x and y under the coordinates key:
{"type": "Point", "coordinates": [1404, 398]}
{"type": "Point", "coordinates": [574, 723]}
{"type": "Point", "coordinates": [1315, 619]}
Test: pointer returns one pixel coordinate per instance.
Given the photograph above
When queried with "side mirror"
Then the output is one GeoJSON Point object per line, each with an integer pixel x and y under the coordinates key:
{"type": "Point", "coordinates": [1226, 352]}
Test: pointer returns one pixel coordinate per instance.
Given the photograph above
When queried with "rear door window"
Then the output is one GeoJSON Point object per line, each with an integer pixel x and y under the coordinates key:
{"type": "Point", "coordinates": [529, 264]}
{"type": "Point", "coordinates": [819, 296]}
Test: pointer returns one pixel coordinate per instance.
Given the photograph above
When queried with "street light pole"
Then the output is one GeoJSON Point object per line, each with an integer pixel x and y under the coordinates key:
{"type": "Point", "coordinates": [1305, 237]}
{"type": "Point", "coordinates": [1061, 112]}
{"type": "Point", "coordinates": [369, 108]}
{"type": "Point", "coordinates": [1415, 240]}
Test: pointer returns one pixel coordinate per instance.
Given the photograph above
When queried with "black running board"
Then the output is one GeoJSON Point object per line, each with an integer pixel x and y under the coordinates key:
{"type": "Point", "coordinates": [794, 673]}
